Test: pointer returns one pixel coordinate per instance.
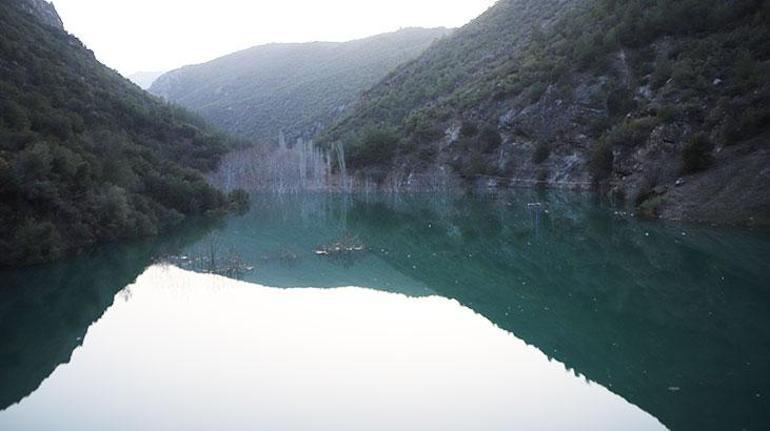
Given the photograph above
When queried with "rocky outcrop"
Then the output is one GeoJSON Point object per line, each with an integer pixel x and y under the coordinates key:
{"type": "Point", "coordinates": [634, 99]}
{"type": "Point", "coordinates": [44, 11]}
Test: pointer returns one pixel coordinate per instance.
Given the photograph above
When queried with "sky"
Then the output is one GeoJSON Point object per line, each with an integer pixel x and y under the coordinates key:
{"type": "Point", "coordinates": [161, 35]}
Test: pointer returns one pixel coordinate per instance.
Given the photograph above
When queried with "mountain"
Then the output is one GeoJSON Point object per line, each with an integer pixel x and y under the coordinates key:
{"type": "Point", "coordinates": [663, 105]}
{"type": "Point", "coordinates": [86, 156]}
{"type": "Point", "coordinates": [295, 88]}
{"type": "Point", "coordinates": [44, 11]}
{"type": "Point", "coordinates": [144, 79]}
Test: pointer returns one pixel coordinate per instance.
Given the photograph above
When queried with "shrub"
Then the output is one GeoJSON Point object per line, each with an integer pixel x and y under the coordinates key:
{"type": "Point", "coordinates": [541, 154]}
{"type": "Point", "coordinates": [427, 152]}
{"type": "Point", "coordinates": [602, 158]}
{"type": "Point", "coordinates": [13, 116]}
{"type": "Point", "coordinates": [745, 68]}
{"type": "Point", "coordinates": [428, 134]}
{"type": "Point", "coordinates": [34, 162]}
{"type": "Point", "coordinates": [377, 146]}
{"type": "Point", "coordinates": [697, 154]}
{"type": "Point", "coordinates": [536, 91]}
{"type": "Point", "coordinates": [33, 241]}
{"type": "Point", "coordinates": [478, 168]}
{"type": "Point", "coordinates": [422, 127]}
{"type": "Point", "coordinates": [649, 206]}
{"type": "Point", "coordinates": [631, 133]}
{"type": "Point", "coordinates": [662, 73]}
{"type": "Point", "coordinates": [667, 114]}
{"type": "Point", "coordinates": [113, 209]}
{"type": "Point", "coordinates": [586, 49]}
{"type": "Point", "coordinates": [745, 122]}
{"type": "Point", "coordinates": [489, 139]}
{"type": "Point", "coordinates": [620, 102]}
{"type": "Point", "coordinates": [239, 200]}
{"type": "Point", "coordinates": [468, 129]}
{"type": "Point", "coordinates": [52, 123]}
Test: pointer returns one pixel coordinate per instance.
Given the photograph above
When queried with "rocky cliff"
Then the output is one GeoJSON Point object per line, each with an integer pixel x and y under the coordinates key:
{"type": "Point", "coordinates": [664, 105]}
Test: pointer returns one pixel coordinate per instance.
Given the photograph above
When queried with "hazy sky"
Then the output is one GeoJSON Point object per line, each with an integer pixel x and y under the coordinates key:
{"type": "Point", "coordinates": [159, 35]}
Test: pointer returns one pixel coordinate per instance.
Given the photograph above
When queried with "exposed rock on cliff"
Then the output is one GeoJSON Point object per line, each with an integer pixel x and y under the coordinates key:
{"type": "Point", "coordinates": [665, 104]}
{"type": "Point", "coordinates": [44, 11]}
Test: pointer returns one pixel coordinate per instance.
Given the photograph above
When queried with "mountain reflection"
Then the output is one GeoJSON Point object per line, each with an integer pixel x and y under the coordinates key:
{"type": "Point", "coordinates": [45, 311]}
{"type": "Point", "coordinates": [672, 318]}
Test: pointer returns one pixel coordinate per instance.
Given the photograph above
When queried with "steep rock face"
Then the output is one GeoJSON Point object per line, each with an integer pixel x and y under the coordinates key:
{"type": "Point", "coordinates": [297, 89]}
{"type": "Point", "coordinates": [639, 99]}
{"type": "Point", "coordinates": [44, 11]}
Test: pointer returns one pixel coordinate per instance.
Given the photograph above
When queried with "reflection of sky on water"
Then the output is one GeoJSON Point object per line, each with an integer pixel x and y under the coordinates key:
{"type": "Point", "coordinates": [192, 351]}
{"type": "Point", "coordinates": [671, 318]}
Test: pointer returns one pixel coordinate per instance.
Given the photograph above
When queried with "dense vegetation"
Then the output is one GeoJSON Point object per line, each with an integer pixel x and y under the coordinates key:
{"type": "Point", "coordinates": [86, 156]}
{"type": "Point", "coordinates": [294, 88]}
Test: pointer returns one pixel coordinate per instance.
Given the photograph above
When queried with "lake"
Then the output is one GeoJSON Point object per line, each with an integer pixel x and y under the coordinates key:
{"type": "Point", "coordinates": [452, 311]}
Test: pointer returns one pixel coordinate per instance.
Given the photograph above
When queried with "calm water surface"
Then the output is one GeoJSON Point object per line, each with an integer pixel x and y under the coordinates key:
{"type": "Point", "coordinates": [425, 312]}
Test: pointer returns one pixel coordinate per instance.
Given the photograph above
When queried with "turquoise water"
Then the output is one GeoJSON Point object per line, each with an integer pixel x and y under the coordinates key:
{"type": "Point", "coordinates": [450, 311]}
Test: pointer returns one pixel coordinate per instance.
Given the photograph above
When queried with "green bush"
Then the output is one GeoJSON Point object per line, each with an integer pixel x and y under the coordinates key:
{"type": "Point", "coordinates": [620, 102]}
{"type": "Point", "coordinates": [667, 114]}
{"type": "Point", "coordinates": [536, 91]}
{"type": "Point", "coordinates": [745, 69]}
{"type": "Point", "coordinates": [541, 154]}
{"type": "Point", "coordinates": [468, 129]}
{"type": "Point", "coordinates": [34, 241]}
{"type": "Point", "coordinates": [477, 167]}
{"type": "Point", "coordinates": [602, 159]}
{"type": "Point", "coordinates": [377, 146]}
{"type": "Point", "coordinates": [239, 200]}
{"type": "Point", "coordinates": [631, 133]}
{"type": "Point", "coordinates": [697, 154]}
{"type": "Point", "coordinates": [489, 139]}
{"type": "Point", "coordinates": [13, 116]}
{"type": "Point", "coordinates": [422, 127]}
{"type": "Point", "coordinates": [662, 73]}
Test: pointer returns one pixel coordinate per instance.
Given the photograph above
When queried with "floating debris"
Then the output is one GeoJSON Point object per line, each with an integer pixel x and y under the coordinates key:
{"type": "Point", "coordinates": [346, 245]}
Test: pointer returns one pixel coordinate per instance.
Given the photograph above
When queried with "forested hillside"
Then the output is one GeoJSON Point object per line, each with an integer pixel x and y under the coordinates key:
{"type": "Point", "coordinates": [294, 88]}
{"type": "Point", "coordinates": [665, 104]}
{"type": "Point", "coordinates": [86, 156]}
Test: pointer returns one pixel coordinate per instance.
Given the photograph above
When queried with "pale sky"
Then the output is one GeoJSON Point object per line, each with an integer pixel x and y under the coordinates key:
{"type": "Point", "coordinates": [160, 35]}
